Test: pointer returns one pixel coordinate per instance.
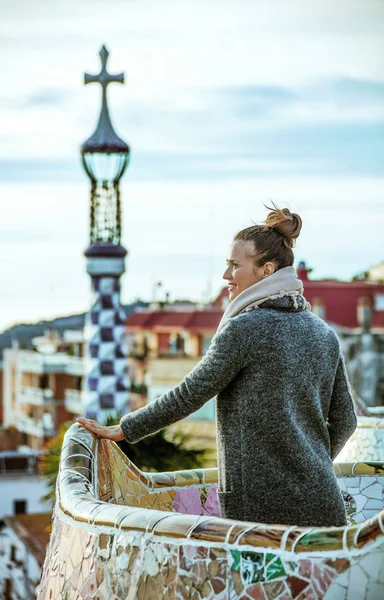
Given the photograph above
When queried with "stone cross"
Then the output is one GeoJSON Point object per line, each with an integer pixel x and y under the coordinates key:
{"type": "Point", "coordinates": [104, 78]}
{"type": "Point", "coordinates": [104, 139]}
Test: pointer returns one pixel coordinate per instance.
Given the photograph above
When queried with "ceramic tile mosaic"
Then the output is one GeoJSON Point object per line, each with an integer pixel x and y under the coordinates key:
{"type": "Point", "coordinates": [366, 443]}
{"type": "Point", "coordinates": [120, 534]}
{"type": "Point", "coordinates": [107, 382]}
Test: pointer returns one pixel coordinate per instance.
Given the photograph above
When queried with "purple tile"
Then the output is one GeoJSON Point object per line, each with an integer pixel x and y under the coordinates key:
{"type": "Point", "coordinates": [106, 334]}
{"type": "Point", "coordinates": [106, 401]}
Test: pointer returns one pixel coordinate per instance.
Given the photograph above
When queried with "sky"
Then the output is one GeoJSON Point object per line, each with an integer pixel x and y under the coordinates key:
{"type": "Point", "coordinates": [226, 106]}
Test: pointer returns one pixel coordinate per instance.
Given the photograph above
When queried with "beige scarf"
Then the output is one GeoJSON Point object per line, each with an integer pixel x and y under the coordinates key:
{"type": "Point", "coordinates": [283, 282]}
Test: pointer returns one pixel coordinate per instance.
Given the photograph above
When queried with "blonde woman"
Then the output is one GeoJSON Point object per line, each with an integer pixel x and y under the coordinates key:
{"type": "Point", "coordinates": [284, 405]}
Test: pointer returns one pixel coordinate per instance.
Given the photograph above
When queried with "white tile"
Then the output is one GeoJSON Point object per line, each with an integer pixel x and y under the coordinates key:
{"type": "Point", "coordinates": [374, 491]}
{"type": "Point", "coordinates": [375, 503]}
{"type": "Point", "coordinates": [372, 564]}
{"type": "Point", "coordinates": [360, 502]}
{"type": "Point", "coordinates": [375, 591]}
{"type": "Point", "coordinates": [359, 517]}
{"type": "Point", "coordinates": [343, 578]}
{"type": "Point", "coordinates": [335, 592]}
{"type": "Point", "coordinates": [353, 481]}
{"type": "Point", "coordinates": [369, 514]}
{"type": "Point", "coordinates": [353, 490]}
{"type": "Point", "coordinates": [367, 481]}
{"type": "Point", "coordinates": [357, 583]}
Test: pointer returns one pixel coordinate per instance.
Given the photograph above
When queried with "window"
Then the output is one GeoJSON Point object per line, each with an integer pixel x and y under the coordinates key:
{"type": "Point", "coordinates": [19, 507]}
{"type": "Point", "coordinates": [44, 381]}
{"type": "Point", "coordinates": [8, 588]}
{"type": "Point", "coordinates": [379, 302]}
{"type": "Point", "coordinates": [207, 343]}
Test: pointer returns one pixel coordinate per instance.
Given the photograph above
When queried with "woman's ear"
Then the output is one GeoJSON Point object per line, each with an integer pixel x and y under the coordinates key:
{"type": "Point", "coordinates": [268, 269]}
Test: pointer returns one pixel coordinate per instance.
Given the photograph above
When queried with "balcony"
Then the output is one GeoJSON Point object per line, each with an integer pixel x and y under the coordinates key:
{"type": "Point", "coordinates": [36, 427]}
{"type": "Point", "coordinates": [73, 401]}
{"type": "Point", "coordinates": [123, 533]}
{"type": "Point", "coordinates": [34, 362]}
{"type": "Point", "coordinates": [35, 396]}
{"type": "Point", "coordinates": [75, 366]}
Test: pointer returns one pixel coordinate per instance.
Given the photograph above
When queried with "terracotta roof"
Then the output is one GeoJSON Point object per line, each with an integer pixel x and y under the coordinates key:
{"type": "Point", "coordinates": [207, 319]}
{"type": "Point", "coordinates": [174, 318]}
{"type": "Point", "coordinates": [34, 531]}
{"type": "Point", "coordinates": [321, 283]}
{"type": "Point", "coordinates": [158, 320]}
{"type": "Point", "coordinates": [348, 285]}
{"type": "Point", "coordinates": [138, 319]}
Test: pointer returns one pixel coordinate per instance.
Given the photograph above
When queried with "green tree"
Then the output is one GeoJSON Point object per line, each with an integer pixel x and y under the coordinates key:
{"type": "Point", "coordinates": [50, 460]}
{"type": "Point", "coordinates": [361, 276]}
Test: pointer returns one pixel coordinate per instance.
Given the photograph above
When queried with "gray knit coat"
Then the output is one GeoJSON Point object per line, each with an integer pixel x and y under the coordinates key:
{"type": "Point", "coordinates": [283, 412]}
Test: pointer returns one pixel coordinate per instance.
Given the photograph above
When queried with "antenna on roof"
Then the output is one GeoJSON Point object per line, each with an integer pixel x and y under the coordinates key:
{"type": "Point", "coordinates": [211, 259]}
{"type": "Point", "coordinates": [156, 286]}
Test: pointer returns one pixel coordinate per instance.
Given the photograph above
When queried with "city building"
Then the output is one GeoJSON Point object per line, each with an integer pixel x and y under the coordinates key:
{"type": "Point", "coordinates": [167, 340]}
{"type": "Point", "coordinates": [336, 301]}
{"type": "Point", "coordinates": [22, 486]}
{"type": "Point", "coordinates": [166, 345]}
{"type": "Point", "coordinates": [25, 524]}
{"type": "Point", "coordinates": [42, 388]}
{"type": "Point", "coordinates": [23, 543]}
{"type": "Point", "coordinates": [1, 394]}
{"type": "Point", "coordinates": [376, 272]}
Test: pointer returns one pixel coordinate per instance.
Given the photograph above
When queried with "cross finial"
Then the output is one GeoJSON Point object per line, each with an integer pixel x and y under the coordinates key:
{"type": "Point", "coordinates": [104, 139]}
{"type": "Point", "coordinates": [104, 78]}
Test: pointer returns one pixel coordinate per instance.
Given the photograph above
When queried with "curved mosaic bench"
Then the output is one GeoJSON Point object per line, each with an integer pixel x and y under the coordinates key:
{"type": "Point", "coordinates": [121, 534]}
{"type": "Point", "coordinates": [366, 443]}
{"type": "Point", "coordinates": [363, 410]}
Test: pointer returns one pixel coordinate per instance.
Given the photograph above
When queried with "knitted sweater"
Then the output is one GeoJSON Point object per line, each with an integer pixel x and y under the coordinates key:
{"type": "Point", "coordinates": [283, 412]}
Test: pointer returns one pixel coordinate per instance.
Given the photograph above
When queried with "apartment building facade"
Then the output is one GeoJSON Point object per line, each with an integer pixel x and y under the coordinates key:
{"type": "Point", "coordinates": [165, 345]}
{"type": "Point", "coordinates": [42, 388]}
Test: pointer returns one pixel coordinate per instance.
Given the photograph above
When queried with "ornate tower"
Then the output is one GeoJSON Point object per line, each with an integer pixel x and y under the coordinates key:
{"type": "Point", "coordinates": [105, 157]}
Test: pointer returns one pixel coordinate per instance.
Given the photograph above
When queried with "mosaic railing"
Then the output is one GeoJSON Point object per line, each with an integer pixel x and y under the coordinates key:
{"type": "Point", "coordinates": [363, 410]}
{"type": "Point", "coordinates": [366, 443]}
{"type": "Point", "coordinates": [123, 534]}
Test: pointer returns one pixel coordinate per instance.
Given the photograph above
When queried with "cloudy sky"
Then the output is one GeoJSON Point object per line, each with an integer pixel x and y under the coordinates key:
{"type": "Point", "coordinates": [227, 104]}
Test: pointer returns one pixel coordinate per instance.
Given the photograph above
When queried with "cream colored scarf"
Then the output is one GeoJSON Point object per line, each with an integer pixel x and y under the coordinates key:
{"type": "Point", "coordinates": [283, 282]}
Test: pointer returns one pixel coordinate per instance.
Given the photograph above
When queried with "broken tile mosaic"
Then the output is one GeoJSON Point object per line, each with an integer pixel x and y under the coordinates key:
{"type": "Point", "coordinates": [123, 534]}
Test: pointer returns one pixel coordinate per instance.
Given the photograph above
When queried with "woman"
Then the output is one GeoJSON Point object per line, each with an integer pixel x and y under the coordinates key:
{"type": "Point", "coordinates": [284, 405]}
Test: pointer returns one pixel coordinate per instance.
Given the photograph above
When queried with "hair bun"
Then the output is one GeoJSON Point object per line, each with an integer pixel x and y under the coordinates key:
{"type": "Point", "coordinates": [286, 223]}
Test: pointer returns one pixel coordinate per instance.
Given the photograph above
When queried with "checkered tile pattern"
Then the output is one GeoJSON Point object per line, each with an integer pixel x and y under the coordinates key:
{"type": "Point", "coordinates": [107, 383]}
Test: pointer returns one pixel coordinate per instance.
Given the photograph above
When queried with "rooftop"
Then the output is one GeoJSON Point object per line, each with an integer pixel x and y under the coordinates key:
{"type": "Point", "coordinates": [165, 319]}
{"type": "Point", "coordinates": [34, 531]}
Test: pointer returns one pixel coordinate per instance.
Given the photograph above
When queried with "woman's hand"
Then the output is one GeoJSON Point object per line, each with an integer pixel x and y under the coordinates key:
{"type": "Point", "coordinates": [109, 433]}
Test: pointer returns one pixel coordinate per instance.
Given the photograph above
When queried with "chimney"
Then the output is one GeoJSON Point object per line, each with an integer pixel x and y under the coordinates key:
{"type": "Point", "coordinates": [302, 271]}
{"type": "Point", "coordinates": [364, 312]}
{"type": "Point", "coordinates": [318, 307]}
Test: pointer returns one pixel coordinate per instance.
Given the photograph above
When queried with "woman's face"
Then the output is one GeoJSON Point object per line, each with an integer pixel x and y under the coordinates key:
{"type": "Point", "coordinates": [241, 271]}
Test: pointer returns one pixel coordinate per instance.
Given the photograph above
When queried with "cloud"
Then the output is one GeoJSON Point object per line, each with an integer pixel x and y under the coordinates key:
{"type": "Point", "coordinates": [243, 151]}
{"type": "Point", "coordinates": [224, 107]}
{"type": "Point", "coordinates": [176, 232]}
{"type": "Point", "coordinates": [328, 100]}
{"type": "Point", "coordinates": [255, 100]}
{"type": "Point", "coordinates": [46, 96]}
